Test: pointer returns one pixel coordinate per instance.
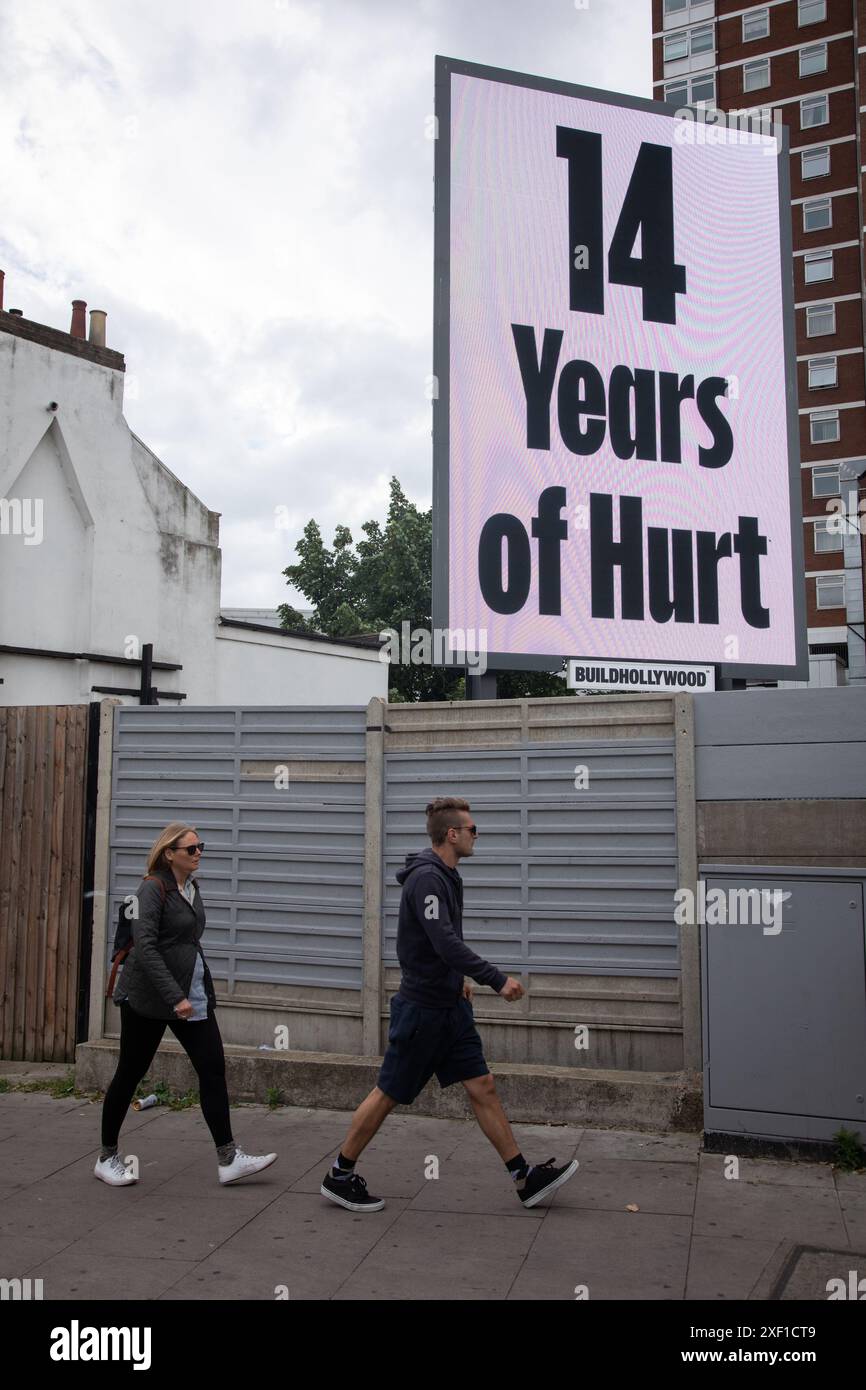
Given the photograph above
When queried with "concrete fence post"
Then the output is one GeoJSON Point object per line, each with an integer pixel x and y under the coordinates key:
{"type": "Point", "coordinates": [687, 877]}
{"type": "Point", "coordinates": [101, 869]}
{"type": "Point", "coordinates": [371, 989]}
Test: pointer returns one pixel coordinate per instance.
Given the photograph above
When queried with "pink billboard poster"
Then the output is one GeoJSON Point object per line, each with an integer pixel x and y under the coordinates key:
{"type": "Point", "coordinates": [619, 476]}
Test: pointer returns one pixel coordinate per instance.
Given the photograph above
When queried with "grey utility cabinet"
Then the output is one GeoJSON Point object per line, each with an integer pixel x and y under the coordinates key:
{"type": "Point", "coordinates": [784, 1011]}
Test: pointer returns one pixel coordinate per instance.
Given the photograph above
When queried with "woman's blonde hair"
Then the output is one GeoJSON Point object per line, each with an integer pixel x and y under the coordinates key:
{"type": "Point", "coordinates": [167, 840]}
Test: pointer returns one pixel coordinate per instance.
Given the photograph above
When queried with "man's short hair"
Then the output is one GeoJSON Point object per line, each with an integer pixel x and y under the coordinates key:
{"type": "Point", "coordinates": [442, 816]}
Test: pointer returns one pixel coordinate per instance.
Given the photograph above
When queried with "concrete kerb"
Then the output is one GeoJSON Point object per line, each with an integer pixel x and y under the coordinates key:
{"type": "Point", "coordinates": [16, 1072]}
{"type": "Point", "coordinates": [653, 1101]}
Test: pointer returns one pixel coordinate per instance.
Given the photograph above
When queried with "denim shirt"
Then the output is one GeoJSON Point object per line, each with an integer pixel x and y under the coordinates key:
{"type": "Point", "coordinates": [197, 995]}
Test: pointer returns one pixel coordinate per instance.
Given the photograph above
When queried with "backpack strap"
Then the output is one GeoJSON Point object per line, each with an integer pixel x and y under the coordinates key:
{"type": "Point", "coordinates": [115, 966]}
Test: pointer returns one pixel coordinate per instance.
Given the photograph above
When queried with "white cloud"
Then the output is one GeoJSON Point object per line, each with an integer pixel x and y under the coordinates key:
{"type": "Point", "coordinates": [247, 189]}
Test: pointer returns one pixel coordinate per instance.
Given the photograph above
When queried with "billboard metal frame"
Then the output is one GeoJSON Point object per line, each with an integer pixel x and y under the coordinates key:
{"type": "Point", "coordinates": [441, 369]}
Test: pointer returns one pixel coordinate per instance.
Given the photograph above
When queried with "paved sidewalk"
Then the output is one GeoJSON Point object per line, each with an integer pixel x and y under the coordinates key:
{"type": "Point", "coordinates": [780, 1230]}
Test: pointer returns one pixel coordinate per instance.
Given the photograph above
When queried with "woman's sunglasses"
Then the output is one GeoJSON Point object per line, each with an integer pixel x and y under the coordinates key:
{"type": "Point", "coordinates": [191, 849]}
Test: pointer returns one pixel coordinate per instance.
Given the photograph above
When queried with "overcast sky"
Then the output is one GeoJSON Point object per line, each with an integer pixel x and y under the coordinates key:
{"type": "Point", "coordinates": [247, 189]}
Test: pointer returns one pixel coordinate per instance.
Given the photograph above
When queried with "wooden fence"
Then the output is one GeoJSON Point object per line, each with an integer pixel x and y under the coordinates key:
{"type": "Point", "coordinates": [43, 763]}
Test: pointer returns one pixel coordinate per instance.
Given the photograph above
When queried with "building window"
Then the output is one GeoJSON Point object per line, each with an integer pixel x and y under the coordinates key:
{"type": "Point", "coordinates": [690, 91]}
{"type": "Point", "coordinates": [824, 429]}
{"type": "Point", "coordinates": [830, 591]}
{"type": "Point", "coordinates": [756, 74]}
{"type": "Point", "coordinates": [822, 373]}
{"type": "Point", "coordinates": [756, 25]}
{"type": "Point", "coordinates": [817, 266]}
{"type": "Point", "coordinates": [826, 541]}
{"type": "Point", "coordinates": [702, 40]}
{"type": "Point", "coordinates": [675, 6]}
{"type": "Point", "coordinates": [813, 59]}
{"type": "Point", "coordinates": [815, 164]}
{"type": "Point", "coordinates": [825, 480]}
{"type": "Point", "coordinates": [820, 319]}
{"type": "Point", "coordinates": [817, 215]}
{"type": "Point", "coordinates": [814, 110]}
{"type": "Point", "coordinates": [704, 88]}
{"type": "Point", "coordinates": [688, 43]}
{"type": "Point", "coordinates": [811, 11]}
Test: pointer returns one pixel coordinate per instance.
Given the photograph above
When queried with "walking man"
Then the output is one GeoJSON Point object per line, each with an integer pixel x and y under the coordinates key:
{"type": "Point", "coordinates": [432, 1024]}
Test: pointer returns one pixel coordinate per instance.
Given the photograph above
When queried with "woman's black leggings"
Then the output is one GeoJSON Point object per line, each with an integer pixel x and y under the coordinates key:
{"type": "Point", "coordinates": [139, 1039]}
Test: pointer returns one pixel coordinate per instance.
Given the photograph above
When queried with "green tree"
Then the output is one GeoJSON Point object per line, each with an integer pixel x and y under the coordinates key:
{"type": "Point", "coordinates": [380, 582]}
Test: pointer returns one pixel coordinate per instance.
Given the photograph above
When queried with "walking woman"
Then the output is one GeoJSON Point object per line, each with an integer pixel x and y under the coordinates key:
{"type": "Point", "coordinates": [165, 980]}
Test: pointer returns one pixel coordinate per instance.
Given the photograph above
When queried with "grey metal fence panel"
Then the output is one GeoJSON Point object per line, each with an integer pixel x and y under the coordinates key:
{"type": "Point", "coordinates": [780, 744]}
{"type": "Point", "coordinates": [282, 876]}
{"type": "Point", "coordinates": [569, 880]}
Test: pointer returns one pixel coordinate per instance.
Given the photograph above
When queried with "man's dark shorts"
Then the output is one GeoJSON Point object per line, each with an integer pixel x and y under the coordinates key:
{"type": "Point", "coordinates": [423, 1042]}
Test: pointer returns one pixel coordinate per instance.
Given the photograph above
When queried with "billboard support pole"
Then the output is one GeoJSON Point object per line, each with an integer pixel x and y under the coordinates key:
{"type": "Point", "coordinates": [481, 687]}
{"type": "Point", "coordinates": [728, 682]}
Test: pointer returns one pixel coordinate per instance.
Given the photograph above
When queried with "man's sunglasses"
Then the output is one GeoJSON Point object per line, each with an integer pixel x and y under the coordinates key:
{"type": "Point", "coordinates": [473, 829]}
{"type": "Point", "coordinates": [191, 849]}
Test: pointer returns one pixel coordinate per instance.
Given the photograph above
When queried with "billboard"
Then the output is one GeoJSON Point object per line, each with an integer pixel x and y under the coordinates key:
{"type": "Point", "coordinates": [616, 447]}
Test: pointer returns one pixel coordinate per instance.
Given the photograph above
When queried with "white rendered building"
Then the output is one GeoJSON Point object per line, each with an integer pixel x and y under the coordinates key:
{"type": "Point", "coordinates": [103, 551]}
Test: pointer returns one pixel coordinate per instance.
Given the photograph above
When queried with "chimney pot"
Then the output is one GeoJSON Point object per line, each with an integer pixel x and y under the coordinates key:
{"type": "Point", "coordinates": [97, 327]}
{"type": "Point", "coordinates": [2, 278]}
{"type": "Point", "coordinates": [78, 328]}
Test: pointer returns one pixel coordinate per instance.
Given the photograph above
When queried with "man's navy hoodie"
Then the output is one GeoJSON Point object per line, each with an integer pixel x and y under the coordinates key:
{"type": "Point", "coordinates": [430, 948]}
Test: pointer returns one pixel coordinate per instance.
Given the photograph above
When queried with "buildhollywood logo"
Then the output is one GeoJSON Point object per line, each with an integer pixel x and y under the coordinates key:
{"type": "Point", "coordinates": [76, 1343]}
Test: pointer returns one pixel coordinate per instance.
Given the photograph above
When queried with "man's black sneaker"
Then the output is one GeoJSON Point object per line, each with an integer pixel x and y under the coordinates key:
{"type": "Point", "coordinates": [542, 1179]}
{"type": "Point", "coordinates": [350, 1193]}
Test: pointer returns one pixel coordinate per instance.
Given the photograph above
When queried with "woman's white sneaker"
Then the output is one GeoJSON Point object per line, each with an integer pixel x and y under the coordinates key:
{"type": "Point", "coordinates": [114, 1171]}
{"type": "Point", "coordinates": [244, 1165]}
